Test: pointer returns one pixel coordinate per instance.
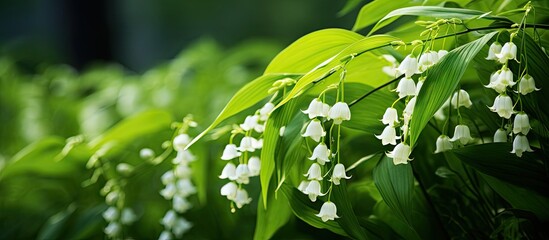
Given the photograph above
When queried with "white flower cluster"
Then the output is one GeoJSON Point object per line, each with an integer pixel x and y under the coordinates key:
{"type": "Point", "coordinates": [248, 166]}
{"type": "Point", "coordinates": [117, 214]}
{"type": "Point", "coordinates": [320, 112]}
{"type": "Point", "coordinates": [462, 134]}
{"type": "Point", "coordinates": [178, 187]}
{"type": "Point", "coordinates": [502, 81]}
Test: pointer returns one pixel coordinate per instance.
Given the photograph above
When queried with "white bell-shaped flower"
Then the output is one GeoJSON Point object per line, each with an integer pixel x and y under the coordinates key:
{"type": "Point", "coordinates": [169, 191]}
{"type": "Point", "coordinates": [265, 111]}
{"type": "Point", "coordinates": [249, 123]}
{"type": "Point", "coordinates": [281, 131]}
{"type": "Point", "coordinates": [184, 157]}
{"type": "Point", "coordinates": [128, 216]}
{"type": "Point", "coordinates": [390, 117]}
{"type": "Point", "coordinates": [315, 109]}
{"type": "Point", "coordinates": [501, 79]}
{"type": "Point", "coordinates": [180, 204]}
{"type": "Point", "coordinates": [229, 190]}
{"type": "Point", "coordinates": [339, 173]}
{"type": "Point", "coordinates": [503, 106]}
{"type": "Point", "coordinates": [241, 198]}
{"type": "Point", "coordinates": [495, 49]}
{"type": "Point", "coordinates": [508, 51]}
{"type": "Point", "coordinates": [443, 144]}
{"type": "Point", "coordinates": [165, 235]}
{"type": "Point", "coordinates": [314, 190]}
{"type": "Point", "coordinates": [321, 154]}
{"type": "Point", "coordinates": [181, 226]}
{"type": "Point", "coordinates": [442, 53]}
{"type": "Point", "coordinates": [111, 214]}
{"type": "Point", "coordinates": [230, 152]}
{"type": "Point", "coordinates": [400, 154]}
{"type": "Point", "coordinates": [328, 211]}
{"type": "Point", "coordinates": [314, 172]}
{"type": "Point", "coordinates": [303, 186]}
{"type": "Point", "coordinates": [146, 153]}
{"type": "Point", "coordinates": [406, 87]}
{"type": "Point", "coordinates": [183, 171]}
{"type": "Point", "coordinates": [340, 112]}
{"type": "Point", "coordinates": [169, 219]}
{"type": "Point", "coordinates": [229, 172]}
{"type": "Point", "coordinates": [500, 136]}
{"type": "Point", "coordinates": [388, 136]}
{"type": "Point", "coordinates": [408, 66]}
{"type": "Point", "coordinates": [521, 145]}
{"type": "Point", "coordinates": [462, 134]}
{"type": "Point", "coordinates": [168, 177]}
{"type": "Point", "coordinates": [257, 143]}
{"type": "Point", "coordinates": [242, 174]}
{"type": "Point", "coordinates": [391, 71]}
{"type": "Point", "coordinates": [247, 144]}
{"type": "Point", "coordinates": [181, 141]}
{"type": "Point", "coordinates": [464, 99]}
{"type": "Point", "coordinates": [527, 85]}
{"type": "Point", "coordinates": [427, 60]}
{"type": "Point", "coordinates": [521, 124]}
{"type": "Point", "coordinates": [409, 110]}
{"type": "Point", "coordinates": [113, 229]}
{"type": "Point", "coordinates": [326, 110]}
{"type": "Point", "coordinates": [254, 166]}
{"type": "Point", "coordinates": [314, 130]}
{"type": "Point", "coordinates": [185, 187]}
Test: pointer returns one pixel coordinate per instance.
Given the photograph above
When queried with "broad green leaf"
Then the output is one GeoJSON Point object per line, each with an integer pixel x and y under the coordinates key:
{"type": "Point", "coordinates": [495, 159]}
{"type": "Point", "coordinates": [133, 127]}
{"type": "Point", "coordinates": [247, 96]}
{"type": "Point", "coordinates": [435, 12]}
{"type": "Point", "coordinates": [334, 63]}
{"type": "Point", "coordinates": [520, 198]}
{"type": "Point", "coordinates": [348, 220]}
{"type": "Point", "coordinates": [39, 158]}
{"type": "Point", "coordinates": [367, 113]}
{"type": "Point", "coordinates": [312, 50]}
{"type": "Point", "coordinates": [306, 210]}
{"type": "Point", "coordinates": [53, 228]}
{"type": "Point", "coordinates": [396, 185]}
{"type": "Point", "coordinates": [442, 80]}
{"type": "Point", "coordinates": [349, 7]}
{"type": "Point", "coordinates": [375, 10]}
{"type": "Point", "coordinates": [270, 219]}
{"type": "Point", "coordinates": [278, 118]}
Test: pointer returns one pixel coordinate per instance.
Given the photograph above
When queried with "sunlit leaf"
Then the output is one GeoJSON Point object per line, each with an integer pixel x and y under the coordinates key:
{"type": "Point", "coordinates": [247, 96]}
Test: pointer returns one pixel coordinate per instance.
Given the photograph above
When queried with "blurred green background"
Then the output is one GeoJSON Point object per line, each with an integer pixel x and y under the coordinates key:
{"type": "Point", "coordinates": [140, 34]}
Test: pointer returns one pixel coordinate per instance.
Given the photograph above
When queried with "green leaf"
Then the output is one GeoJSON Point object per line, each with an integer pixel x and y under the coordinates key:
{"type": "Point", "coordinates": [436, 12]}
{"type": "Point", "coordinates": [53, 228]}
{"type": "Point", "coordinates": [375, 10]}
{"type": "Point", "coordinates": [443, 78]}
{"type": "Point", "coordinates": [306, 210]}
{"type": "Point", "coordinates": [247, 96]}
{"type": "Point", "coordinates": [133, 127]}
{"type": "Point", "coordinates": [349, 6]}
{"type": "Point", "coordinates": [312, 50]}
{"type": "Point", "coordinates": [333, 64]}
{"type": "Point", "coordinates": [347, 218]}
{"type": "Point", "coordinates": [495, 159]}
{"type": "Point", "coordinates": [270, 219]}
{"type": "Point", "coordinates": [520, 198]}
{"type": "Point", "coordinates": [39, 158]}
{"type": "Point", "coordinates": [278, 118]}
{"type": "Point", "coordinates": [396, 185]}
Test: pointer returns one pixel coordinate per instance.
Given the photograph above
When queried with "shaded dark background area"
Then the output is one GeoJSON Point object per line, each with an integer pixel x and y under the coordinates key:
{"type": "Point", "coordinates": [140, 34]}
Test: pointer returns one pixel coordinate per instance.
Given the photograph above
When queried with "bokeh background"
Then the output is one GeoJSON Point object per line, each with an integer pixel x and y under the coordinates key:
{"type": "Point", "coordinates": [140, 34]}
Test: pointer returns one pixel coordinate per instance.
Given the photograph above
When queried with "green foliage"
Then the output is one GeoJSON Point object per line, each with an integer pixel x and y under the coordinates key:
{"type": "Point", "coordinates": [66, 137]}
